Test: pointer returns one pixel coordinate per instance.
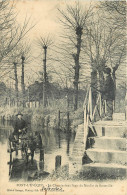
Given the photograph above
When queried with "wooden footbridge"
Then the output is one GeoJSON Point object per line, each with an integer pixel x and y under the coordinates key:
{"type": "Point", "coordinates": [100, 146]}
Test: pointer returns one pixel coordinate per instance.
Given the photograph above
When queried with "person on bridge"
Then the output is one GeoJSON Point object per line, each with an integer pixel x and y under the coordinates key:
{"type": "Point", "coordinates": [108, 94]}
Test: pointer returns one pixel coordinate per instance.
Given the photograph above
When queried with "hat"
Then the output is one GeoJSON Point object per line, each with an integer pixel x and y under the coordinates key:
{"type": "Point", "coordinates": [19, 113]}
{"type": "Point", "coordinates": [107, 70]}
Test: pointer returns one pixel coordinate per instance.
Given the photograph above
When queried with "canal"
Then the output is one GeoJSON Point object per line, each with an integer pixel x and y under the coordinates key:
{"type": "Point", "coordinates": [55, 143]}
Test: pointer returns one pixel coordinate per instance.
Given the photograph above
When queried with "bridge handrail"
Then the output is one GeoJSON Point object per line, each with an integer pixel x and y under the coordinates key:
{"type": "Point", "coordinates": [86, 97]}
{"type": "Point", "coordinates": [89, 112]}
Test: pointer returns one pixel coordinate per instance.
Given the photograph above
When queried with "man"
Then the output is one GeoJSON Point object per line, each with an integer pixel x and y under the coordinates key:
{"type": "Point", "coordinates": [108, 93]}
{"type": "Point", "coordinates": [20, 126]}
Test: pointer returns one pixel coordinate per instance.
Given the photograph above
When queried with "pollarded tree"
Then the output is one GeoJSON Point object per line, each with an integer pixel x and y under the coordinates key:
{"type": "Point", "coordinates": [25, 56]}
{"type": "Point", "coordinates": [44, 43]}
{"type": "Point", "coordinates": [17, 58]}
{"type": "Point", "coordinates": [73, 18]}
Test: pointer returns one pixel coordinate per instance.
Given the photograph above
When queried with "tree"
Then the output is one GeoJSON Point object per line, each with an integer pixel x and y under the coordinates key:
{"type": "Point", "coordinates": [11, 48]}
{"type": "Point", "coordinates": [25, 56]}
{"type": "Point", "coordinates": [6, 20]}
{"type": "Point", "coordinates": [117, 20]}
{"type": "Point", "coordinates": [11, 33]}
{"type": "Point", "coordinates": [13, 63]}
{"type": "Point", "coordinates": [74, 19]}
{"type": "Point", "coordinates": [104, 46]}
{"type": "Point", "coordinates": [44, 44]}
{"type": "Point", "coordinates": [117, 12]}
{"type": "Point", "coordinates": [17, 57]}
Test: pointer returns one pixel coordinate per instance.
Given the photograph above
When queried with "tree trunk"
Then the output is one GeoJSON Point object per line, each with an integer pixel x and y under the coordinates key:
{"type": "Point", "coordinates": [45, 79]}
{"type": "Point", "coordinates": [16, 81]}
{"type": "Point", "coordinates": [101, 81]}
{"type": "Point", "coordinates": [77, 66]}
{"type": "Point", "coordinates": [114, 80]}
{"type": "Point", "coordinates": [28, 97]}
{"type": "Point", "coordinates": [22, 81]}
{"type": "Point", "coordinates": [94, 87]}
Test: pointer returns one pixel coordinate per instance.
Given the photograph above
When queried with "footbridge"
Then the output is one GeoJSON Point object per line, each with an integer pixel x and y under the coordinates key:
{"type": "Point", "coordinates": [100, 146]}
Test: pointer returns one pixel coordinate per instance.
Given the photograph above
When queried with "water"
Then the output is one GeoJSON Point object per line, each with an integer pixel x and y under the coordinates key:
{"type": "Point", "coordinates": [55, 143]}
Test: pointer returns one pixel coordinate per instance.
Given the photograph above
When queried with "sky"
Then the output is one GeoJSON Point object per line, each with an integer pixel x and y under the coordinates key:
{"type": "Point", "coordinates": [44, 14]}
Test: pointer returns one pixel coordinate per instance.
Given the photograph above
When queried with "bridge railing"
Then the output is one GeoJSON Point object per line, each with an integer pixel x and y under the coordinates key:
{"type": "Point", "coordinates": [87, 113]}
{"type": "Point", "coordinates": [90, 112]}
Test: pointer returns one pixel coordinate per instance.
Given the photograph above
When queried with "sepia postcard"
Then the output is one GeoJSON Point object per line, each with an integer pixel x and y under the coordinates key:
{"type": "Point", "coordinates": [63, 97]}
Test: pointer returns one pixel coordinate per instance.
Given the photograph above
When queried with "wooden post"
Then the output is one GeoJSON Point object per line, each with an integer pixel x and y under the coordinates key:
{"type": "Point", "coordinates": [10, 169]}
{"type": "Point", "coordinates": [68, 122]}
{"type": "Point", "coordinates": [113, 106]}
{"type": "Point", "coordinates": [4, 120]}
{"type": "Point", "coordinates": [16, 151]}
{"type": "Point", "coordinates": [57, 162]}
{"type": "Point", "coordinates": [59, 119]}
{"type": "Point", "coordinates": [90, 103]}
{"type": "Point", "coordinates": [103, 131]}
{"type": "Point", "coordinates": [85, 115]}
{"type": "Point", "coordinates": [85, 121]}
{"type": "Point", "coordinates": [105, 107]}
{"type": "Point", "coordinates": [41, 165]}
{"type": "Point", "coordinates": [86, 130]}
{"type": "Point", "coordinates": [10, 157]}
{"type": "Point", "coordinates": [100, 105]}
{"type": "Point", "coordinates": [41, 154]}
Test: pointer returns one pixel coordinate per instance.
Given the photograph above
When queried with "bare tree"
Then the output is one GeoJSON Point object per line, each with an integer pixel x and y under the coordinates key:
{"type": "Point", "coordinates": [13, 63]}
{"type": "Point", "coordinates": [104, 46]}
{"type": "Point", "coordinates": [17, 57]}
{"type": "Point", "coordinates": [73, 18]}
{"type": "Point", "coordinates": [11, 33]}
{"type": "Point", "coordinates": [116, 12]}
{"type": "Point", "coordinates": [44, 43]}
{"type": "Point", "coordinates": [117, 20]}
{"type": "Point", "coordinates": [25, 56]}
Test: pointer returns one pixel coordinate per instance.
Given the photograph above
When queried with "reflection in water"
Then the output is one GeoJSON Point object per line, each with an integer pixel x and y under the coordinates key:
{"type": "Point", "coordinates": [27, 171]}
{"type": "Point", "coordinates": [54, 142]}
